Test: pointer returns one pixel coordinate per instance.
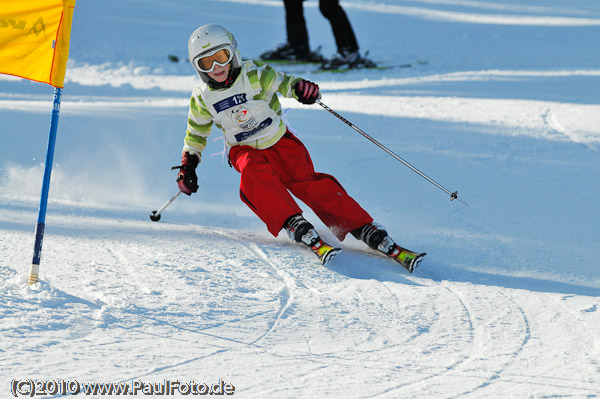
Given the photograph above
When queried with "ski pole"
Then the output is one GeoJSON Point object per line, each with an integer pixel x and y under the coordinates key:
{"type": "Point", "coordinates": [155, 215]}
{"type": "Point", "coordinates": [453, 195]}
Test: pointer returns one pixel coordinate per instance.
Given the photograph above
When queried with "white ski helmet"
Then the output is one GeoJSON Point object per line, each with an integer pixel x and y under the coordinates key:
{"type": "Point", "coordinates": [208, 40]}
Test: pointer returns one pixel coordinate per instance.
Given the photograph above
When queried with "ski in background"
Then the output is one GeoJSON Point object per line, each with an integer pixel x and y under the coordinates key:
{"type": "Point", "coordinates": [293, 66]}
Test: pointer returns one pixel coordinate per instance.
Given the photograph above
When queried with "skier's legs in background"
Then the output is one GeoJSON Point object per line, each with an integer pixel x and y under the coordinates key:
{"type": "Point", "coordinates": [340, 25]}
{"type": "Point", "coordinates": [295, 24]}
{"type": "Point", "coordinates": [297, 46]}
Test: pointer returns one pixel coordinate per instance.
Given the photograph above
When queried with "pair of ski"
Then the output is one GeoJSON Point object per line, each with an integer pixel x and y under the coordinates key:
{"type": "Point", "coordinates": [294, 66]}
{"type": "Point", "coordinates": [408, 259]}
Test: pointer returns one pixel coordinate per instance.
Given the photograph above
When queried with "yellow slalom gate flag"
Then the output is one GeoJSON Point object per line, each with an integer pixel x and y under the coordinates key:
{"type": "Point", "coordinates": [34, 39]}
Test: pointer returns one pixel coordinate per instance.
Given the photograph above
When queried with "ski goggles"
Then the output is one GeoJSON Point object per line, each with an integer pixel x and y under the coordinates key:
{"type": "Point", "coordinates": [206, 62]}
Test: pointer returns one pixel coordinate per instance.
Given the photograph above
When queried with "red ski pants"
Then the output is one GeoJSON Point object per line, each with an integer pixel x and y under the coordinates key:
{"type": "Point", "coordinates": [267, 175]}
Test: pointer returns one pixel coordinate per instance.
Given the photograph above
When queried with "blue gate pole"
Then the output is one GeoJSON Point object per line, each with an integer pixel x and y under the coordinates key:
{"type": "Point", "coordinates": [41, 223]}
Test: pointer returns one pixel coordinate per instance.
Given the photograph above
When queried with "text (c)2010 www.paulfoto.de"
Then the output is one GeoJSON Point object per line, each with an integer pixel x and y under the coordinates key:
{"type": "Point", "coordinates": [32, 387]}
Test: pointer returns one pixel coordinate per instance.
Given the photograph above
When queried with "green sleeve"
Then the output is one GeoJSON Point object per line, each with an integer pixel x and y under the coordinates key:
{"type": "Point", "coordinates": [199, 126]}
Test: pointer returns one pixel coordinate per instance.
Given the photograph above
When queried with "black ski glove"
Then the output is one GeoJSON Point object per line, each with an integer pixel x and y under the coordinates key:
{"type": "Point", "coordinates": [307, 91]}
{"type": "Point", "coordinates": [186, 178]}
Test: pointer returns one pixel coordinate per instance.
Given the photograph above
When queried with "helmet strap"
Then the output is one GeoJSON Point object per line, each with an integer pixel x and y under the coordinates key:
{"type": "Point", "coordinates": [231, 77]}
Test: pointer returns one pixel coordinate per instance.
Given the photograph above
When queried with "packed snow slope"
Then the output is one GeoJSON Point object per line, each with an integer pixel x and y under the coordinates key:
{"type": "Point", "coordinates": [500, 103]}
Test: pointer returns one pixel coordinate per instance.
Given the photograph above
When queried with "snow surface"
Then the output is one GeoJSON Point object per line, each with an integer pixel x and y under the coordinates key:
{"type": "Point", "coordinates": [501, 104]}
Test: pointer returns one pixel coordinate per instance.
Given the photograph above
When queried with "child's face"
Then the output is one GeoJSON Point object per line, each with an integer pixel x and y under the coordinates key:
{"type": "Point", "coordinates": [220, 73]}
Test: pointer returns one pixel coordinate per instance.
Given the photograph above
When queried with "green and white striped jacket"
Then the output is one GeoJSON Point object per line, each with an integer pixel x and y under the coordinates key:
{"type": "Point", "coordinates": [248, 112]}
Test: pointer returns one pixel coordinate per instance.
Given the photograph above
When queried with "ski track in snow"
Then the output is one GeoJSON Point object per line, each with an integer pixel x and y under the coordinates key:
{"type": "Point", "coordinates": [480, 336]}
{"type": "Point", "coordinates": [288, 283]}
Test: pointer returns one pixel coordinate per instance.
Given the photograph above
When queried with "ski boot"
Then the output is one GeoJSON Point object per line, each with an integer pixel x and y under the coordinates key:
{"type": "Point", "coordinates": [375, 236]}
{"type": "Point", "coordinates": [348, 60]}
{"type": "Point", "coordinates": [300, 230]}
{"type": "Point", "coordinates": [286, 52]}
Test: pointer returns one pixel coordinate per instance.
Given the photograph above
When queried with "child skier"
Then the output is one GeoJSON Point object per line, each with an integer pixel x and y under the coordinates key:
{"type": "Point", "coordinates": [240, 98]}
